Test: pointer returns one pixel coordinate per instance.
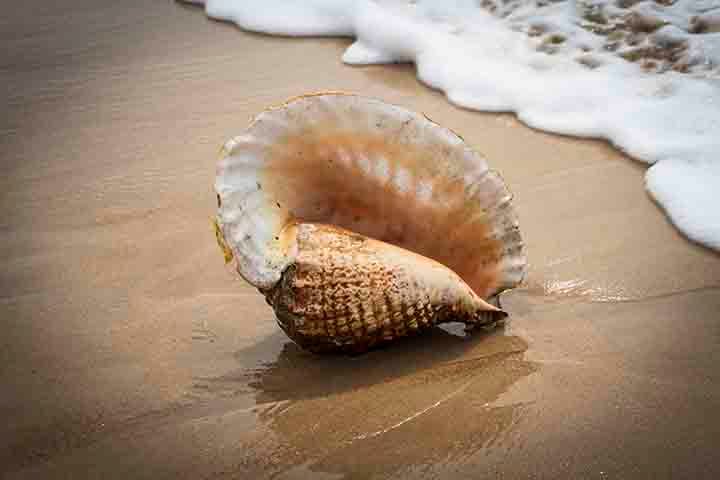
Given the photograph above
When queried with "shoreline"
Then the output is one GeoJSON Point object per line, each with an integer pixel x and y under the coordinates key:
{"type": "Point", "coordinates": [480, 61]}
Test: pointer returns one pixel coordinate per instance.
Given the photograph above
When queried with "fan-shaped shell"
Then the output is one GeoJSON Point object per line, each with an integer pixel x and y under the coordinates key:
{"type": "Point", "coordinates": [371, 168]}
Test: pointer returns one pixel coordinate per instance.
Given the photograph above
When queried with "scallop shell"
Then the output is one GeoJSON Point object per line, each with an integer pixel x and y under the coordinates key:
{"type": "Point", "coordinates": [362, 221]}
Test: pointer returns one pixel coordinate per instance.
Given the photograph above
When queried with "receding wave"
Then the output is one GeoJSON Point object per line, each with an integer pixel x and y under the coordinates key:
{"type": "Point", "coordinates": [645, 75]}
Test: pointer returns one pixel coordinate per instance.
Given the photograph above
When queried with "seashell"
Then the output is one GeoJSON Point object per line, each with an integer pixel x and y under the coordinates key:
{"type": "Point", "coordinates": [362, 222]}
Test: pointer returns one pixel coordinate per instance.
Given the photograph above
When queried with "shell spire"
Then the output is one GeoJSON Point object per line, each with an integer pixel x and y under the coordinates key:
{"type": "Point", "coordinates": [362, 221]}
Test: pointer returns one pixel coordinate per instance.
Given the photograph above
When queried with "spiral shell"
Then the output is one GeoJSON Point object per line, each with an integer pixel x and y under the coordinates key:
{"type": "Point", "coordinates": [362, 222]}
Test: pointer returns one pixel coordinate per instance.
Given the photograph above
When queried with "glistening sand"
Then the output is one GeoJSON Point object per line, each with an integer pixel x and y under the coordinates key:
{"type": "Point", "coordinates": [128, 351]}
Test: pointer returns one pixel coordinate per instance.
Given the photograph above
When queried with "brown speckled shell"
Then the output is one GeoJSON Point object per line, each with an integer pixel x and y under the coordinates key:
{"type": "Point", "coordinates": [422, 230]}
{"type": "Point", "coordinates": [350, 293]}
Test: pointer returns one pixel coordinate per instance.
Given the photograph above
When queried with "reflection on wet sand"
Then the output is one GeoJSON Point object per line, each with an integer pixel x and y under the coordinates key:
{"type": "Point", "coordinates": [370, 414]}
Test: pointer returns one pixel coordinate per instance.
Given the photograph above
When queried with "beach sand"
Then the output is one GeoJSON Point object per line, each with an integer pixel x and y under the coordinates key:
{"type": "Point", "coordinates": [129, 351]}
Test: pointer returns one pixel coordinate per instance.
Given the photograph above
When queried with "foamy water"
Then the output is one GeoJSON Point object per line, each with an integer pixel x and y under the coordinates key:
{"type": "Point", "coordinates": [643, 75]}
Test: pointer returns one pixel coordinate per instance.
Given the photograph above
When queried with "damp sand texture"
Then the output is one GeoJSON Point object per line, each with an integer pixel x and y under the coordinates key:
{"type": "Point", "coordinates": [128, 351]}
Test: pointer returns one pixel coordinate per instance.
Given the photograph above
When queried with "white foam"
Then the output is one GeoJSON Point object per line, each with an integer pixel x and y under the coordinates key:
{"type": "Point", "coordinates": [527, 59]}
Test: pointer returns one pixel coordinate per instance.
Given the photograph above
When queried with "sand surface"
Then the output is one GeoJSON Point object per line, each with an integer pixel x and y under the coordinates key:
{"type": "Point", "coordinates": [129, 351]}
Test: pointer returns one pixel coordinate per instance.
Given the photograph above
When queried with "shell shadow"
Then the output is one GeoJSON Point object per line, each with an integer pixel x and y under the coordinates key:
{"type": "Point", "coordinates": [283, 371]}
{"type": "Point", "coordinates": [427, 400]}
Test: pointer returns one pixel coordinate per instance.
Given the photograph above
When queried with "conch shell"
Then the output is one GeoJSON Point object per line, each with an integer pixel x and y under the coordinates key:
{"type": "Point", "coordinates": [362, 222]}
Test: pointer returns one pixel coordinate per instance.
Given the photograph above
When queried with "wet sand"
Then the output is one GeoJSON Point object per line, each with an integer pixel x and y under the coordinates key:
{"type": "Point", "coordinates": [130, 351]}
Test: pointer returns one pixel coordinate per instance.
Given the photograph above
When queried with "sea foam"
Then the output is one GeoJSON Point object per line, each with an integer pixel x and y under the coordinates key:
{"type": "Point", "coordinates": [645, 75]}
